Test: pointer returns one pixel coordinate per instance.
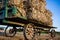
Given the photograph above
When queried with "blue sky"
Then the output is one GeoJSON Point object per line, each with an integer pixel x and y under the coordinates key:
{"type": "Point", "coordinates": [54, 7]}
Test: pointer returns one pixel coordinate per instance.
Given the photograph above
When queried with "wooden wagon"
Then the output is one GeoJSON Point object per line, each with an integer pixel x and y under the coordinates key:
{"type": "Point", "coordinates": [30, 27]}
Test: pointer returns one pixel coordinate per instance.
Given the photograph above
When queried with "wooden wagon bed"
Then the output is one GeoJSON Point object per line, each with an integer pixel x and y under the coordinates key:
{"type": "Point", "coordinates": [18, 21]}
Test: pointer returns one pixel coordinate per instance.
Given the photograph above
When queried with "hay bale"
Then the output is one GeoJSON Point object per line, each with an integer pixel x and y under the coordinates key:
{"type": "Point", "coordinates": [39, 5]}
{"type": "Point", "coordinates": [33, 9]}
{"type": "Point", "coordinates": [48, 15]}
{"type": "Point", "coordinates": [39, 16]}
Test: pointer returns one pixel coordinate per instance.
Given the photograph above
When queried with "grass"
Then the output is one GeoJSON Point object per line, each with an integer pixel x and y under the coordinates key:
{"type": "Point", "coordinates": [58, 33]}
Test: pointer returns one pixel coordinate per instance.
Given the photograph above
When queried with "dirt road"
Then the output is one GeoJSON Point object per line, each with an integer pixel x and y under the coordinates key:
{"type": "Point", "coordinates": [19, 36]}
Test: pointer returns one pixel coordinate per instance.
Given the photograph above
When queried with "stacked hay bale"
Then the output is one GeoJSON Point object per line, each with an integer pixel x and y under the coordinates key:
{"type": "Point", "coordinates": [19, 5]}
{"type": "Point", "coordinates": [39, 5]}
{"type": "Point", "coordinates": [33, 9]}
{"type": "Point", "coordinates": [48, 14]}
{"type": "Point", "coordinates": [38, 10]}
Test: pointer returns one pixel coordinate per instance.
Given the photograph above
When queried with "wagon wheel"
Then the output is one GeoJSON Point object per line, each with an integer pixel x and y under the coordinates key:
{"type": "Point", "coordinates": [10, 31]}
{"type": "Point", "coordinates": [29, 32]}
{"type": "Point", "coordinates": [53, 33]}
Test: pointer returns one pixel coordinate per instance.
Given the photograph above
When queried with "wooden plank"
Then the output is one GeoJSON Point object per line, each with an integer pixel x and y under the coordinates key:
{"type": "Point", "coordinates": [15, 23]}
